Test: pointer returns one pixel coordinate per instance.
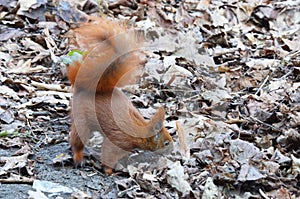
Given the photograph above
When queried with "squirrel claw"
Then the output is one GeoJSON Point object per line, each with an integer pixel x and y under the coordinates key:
{"type": "Point", "coordinates": [108, 170]}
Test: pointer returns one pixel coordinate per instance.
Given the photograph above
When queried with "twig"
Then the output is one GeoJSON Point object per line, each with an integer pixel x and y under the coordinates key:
{"type": "Point", "coordinates": [53, 87]}
{"type": "Point", "coordinates": [264, 82]}
{"type": "Point", "coordinates": [17, 179]}
{"type": "Point", "coordinates": [261, 122]}
{"type": "Point", "coordinates": [171, 80]}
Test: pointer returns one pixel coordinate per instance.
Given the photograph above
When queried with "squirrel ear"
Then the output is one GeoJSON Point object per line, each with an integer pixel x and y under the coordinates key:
{"type": "Point", "coordinates": [157, 127]}
{"type": "Point", "coordinates": [156, 123]}
{"type": "Point", "coordinates": [160, 114]}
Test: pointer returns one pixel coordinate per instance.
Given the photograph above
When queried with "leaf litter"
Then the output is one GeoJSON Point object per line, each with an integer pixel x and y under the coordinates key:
{"type": "Point", "coordinates": [227, 73]}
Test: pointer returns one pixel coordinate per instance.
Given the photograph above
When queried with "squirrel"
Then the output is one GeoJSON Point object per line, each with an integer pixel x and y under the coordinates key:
{"type": "Point", "coordinates": [110, 60]}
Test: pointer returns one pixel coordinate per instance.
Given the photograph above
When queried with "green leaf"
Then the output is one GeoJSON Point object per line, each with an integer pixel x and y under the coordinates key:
{"type": "Point", "coordinates": [73, 55]}
{"type": "Point", "coordinates": [73, 52]}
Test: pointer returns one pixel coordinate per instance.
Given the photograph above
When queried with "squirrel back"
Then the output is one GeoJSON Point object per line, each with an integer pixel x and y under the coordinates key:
{"type": "Point", "coordinates": [110, 56]}
{"type": "Point", "coordinates": [111, 59]}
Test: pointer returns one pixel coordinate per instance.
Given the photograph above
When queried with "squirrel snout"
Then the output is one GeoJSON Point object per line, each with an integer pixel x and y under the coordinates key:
{"type": "Point", "coordinates": [166, 148]}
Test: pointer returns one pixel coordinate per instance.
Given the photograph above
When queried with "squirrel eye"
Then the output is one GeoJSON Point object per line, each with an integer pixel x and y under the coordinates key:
{"type": "Point", "coordinates": [166, 143]}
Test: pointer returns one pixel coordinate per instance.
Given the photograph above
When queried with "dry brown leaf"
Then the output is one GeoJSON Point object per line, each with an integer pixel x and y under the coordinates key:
{"type": "Point", "coordinates": [17, 179]}
{"type": "Point", "coordinates": [177, 179]}
{"type": "Point", "coordinates": [6, 91]}
{"type": "Point", "coordinates": [36, 195]}
{"type": "Point", "coordinates": [211, 191]}
{"type": "Point", "coordinates": [13, 162]}
{"type": "Point", "coordinates": [25, 68]}
{"type": "Point", "coordinates": [249, 173]}
{"type": "Point", "coordinates": [183, 140]}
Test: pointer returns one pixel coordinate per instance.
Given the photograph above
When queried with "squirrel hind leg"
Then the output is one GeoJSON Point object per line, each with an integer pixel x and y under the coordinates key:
{"type": "Point", "coordinates": [108, 171]}
{"type": "Point", "coordinates": [110, 155]}
{"type": "Point", "coordinates": [78, 157]}
{"type": "Point", "coordinates": [77, 146]}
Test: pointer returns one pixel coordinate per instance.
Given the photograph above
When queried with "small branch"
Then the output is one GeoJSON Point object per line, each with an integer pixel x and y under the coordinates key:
{"type": "Point", "coordinates": [17, 179]}
{"type": "Point", "coordinates": [264, 82]}
{"type": "Point", "coordinates": [263, 123]}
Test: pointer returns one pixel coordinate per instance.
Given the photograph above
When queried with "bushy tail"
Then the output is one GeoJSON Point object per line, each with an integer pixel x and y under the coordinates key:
{"type": "Point", "coordinates": [111, 55]}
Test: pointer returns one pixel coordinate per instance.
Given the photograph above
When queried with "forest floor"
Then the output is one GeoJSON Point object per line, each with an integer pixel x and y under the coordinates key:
{"type": "Point", "coordinates": [228, 75]}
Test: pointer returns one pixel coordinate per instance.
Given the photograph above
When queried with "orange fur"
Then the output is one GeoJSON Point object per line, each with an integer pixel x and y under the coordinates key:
{"type": "Point", "coordinates": [111, 59]}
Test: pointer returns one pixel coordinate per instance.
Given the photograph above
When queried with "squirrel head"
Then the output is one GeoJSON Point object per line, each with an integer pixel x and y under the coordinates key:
{"type": "Point", "coordinates": [159, 138]}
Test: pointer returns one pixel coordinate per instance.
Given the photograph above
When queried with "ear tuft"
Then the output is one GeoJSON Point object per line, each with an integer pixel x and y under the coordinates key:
{"type": "Point", "coordinates": [160, 114]}
{"type": "Point", "coordinates": [158, 117]}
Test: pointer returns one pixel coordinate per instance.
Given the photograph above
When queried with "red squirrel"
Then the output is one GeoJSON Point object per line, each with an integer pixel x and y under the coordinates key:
{"type": "Point", "coordinates": [111, 57]}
